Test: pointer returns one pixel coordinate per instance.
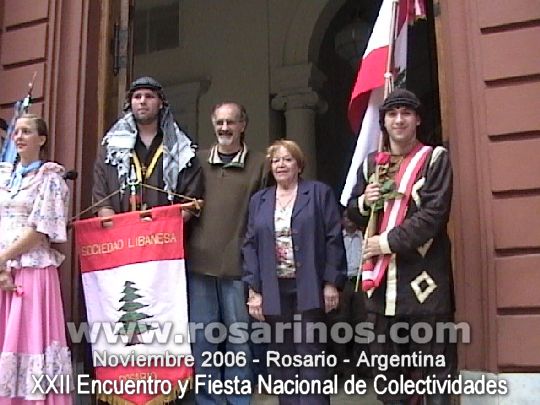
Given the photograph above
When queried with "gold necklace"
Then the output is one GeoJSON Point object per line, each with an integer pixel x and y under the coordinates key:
{"type": "Point", "coordinates": [282, 206]}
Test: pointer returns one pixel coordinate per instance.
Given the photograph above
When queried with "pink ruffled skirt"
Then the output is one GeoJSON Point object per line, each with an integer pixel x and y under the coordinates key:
{"type": "Point", "coordinates": [33, 340]}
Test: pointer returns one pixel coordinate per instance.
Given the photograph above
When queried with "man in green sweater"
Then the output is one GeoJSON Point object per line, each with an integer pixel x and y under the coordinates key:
{"type": "Point", "coordinates": [232, 174]}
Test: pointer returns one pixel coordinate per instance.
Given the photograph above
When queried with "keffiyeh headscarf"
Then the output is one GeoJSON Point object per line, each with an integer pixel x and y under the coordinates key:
{"type": "Point", "coordinates": [178, 150]}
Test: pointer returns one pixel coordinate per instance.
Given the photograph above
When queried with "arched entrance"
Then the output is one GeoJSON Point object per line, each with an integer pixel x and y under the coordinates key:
{"type": "Point", "coordinates": [334, 138]}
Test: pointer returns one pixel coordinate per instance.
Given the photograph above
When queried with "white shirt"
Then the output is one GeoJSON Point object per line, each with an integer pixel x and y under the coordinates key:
{"type": "Point", "coordinates": [286, 267]}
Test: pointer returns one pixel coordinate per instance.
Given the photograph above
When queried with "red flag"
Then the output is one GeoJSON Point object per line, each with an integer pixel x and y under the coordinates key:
{"type": "Point", "coordinates": [368, 91]}
{"type": "Point", "coordinates": [373, 65]}
{"type": "Point", "coordinates": [134, 281]}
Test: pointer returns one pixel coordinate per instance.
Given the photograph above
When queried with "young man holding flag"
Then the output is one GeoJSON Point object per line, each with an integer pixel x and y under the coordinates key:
{"type": "Point", "coordinates": [384, 62]}
{"type": "Point", "coordinates": [408, 276]}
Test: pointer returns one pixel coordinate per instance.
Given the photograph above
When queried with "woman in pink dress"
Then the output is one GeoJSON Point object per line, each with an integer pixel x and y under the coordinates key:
{"type": "Point", "coordinates": [33, 213]}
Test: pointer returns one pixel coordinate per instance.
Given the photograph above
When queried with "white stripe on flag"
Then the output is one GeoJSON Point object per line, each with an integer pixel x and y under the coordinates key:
{"type": "Point", "coordinates": [161, 288]}
{"type": "Point", "coordinates": [368, 136]}
{"type": "Point", "coordinates": [365, 142]}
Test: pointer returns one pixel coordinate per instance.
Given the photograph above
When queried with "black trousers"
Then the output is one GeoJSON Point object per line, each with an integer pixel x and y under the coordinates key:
{"type": "Point", "coordinates": [351, 311]}
{"type": "Point", "coordinates": [383, 325]}
{"type": "Point", "coordinates": [297, 344]}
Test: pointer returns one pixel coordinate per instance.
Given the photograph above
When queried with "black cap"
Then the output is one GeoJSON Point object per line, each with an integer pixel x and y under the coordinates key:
{"type": "Point", "coordinates": [401, 98]}
{"type": "Point", "coordinates": [398, 98]}
{"type": "Point", "coordinates": [145, 82]}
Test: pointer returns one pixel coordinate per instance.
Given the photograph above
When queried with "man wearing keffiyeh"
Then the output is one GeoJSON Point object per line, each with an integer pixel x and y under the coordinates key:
{"type": "Point", "coordinates": [145, 146]}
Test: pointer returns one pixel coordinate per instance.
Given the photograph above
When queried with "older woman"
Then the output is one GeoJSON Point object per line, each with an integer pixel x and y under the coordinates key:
{"type": "Point", "coordinates": [294, 259]}
{"type": "Point", "coordinates": [33, 210]}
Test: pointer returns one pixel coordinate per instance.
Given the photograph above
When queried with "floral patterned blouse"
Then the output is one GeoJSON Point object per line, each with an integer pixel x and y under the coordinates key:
{"type": "Point", "coordinates": [284, 243]}
{"type": "Point", "coordinates": [41, 204]}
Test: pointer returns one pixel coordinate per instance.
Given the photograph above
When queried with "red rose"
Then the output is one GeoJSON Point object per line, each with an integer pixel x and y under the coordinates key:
{"type": "Point", "coordinates": [382, 158]}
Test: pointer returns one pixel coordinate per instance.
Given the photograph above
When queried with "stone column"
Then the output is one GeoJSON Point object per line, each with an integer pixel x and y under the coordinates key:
{"type": "Point", "coordinates": [300, 109]}
{"type": "Point", "coordinates": [296, 88]}
{"type": "Point", "coordinates": [184, 101]}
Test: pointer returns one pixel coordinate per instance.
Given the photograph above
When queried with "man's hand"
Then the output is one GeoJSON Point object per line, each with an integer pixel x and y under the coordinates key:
{"type": "Point", "coordinates": [372, 247]}
{"type": "Point", "coordinates": [372, 193]}
{"type": "Point", "coordinates": [105, 212]}
{"type": "Point", "coordinates": [186, 215]}
{"type": "Point", "coordinates": [191, 209]}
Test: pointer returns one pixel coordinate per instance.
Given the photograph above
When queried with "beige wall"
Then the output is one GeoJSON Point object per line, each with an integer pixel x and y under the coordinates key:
{"type": "Point", "coordinates": [234, 60]}
{"type": "Point", "coordinates": [240, 47]}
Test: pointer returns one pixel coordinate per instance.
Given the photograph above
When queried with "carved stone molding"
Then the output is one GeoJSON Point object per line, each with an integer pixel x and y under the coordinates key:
{"type": "Point", "coordinates": [292, 78]}
{"type": "Point", "coordinates": [301, 100]}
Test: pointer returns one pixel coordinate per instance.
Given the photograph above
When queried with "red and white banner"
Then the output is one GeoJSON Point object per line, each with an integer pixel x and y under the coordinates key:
{"type": "Point", "coordinates": [396, 209]}
{"type": "Point", "coordinates": [368, 92]}
{"type": "Point", "coordinates": [134, 283]}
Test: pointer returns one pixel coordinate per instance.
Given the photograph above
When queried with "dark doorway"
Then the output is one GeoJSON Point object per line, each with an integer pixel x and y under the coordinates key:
{"type": "Point", "coordinates": [335, 140]}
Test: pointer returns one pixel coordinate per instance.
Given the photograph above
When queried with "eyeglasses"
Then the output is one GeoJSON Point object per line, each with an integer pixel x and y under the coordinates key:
{"type": "Point", "coordinates": [220, 123]}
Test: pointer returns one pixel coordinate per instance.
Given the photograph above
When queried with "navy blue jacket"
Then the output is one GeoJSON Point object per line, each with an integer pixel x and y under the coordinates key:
{"type": "Point", "coordinates": [317, 240]}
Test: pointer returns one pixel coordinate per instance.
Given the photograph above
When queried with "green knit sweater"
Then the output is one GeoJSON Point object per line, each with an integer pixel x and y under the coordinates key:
{"type": "Point", "coordinates": [217, 236]}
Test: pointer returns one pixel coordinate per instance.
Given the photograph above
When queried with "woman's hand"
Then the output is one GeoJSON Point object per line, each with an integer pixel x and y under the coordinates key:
{"type": "Point", "coordinates": [6, 281]}
{"type": "Point", "coordinates": [372, 193]}
{"type": "Point", "coordinates": [331, 297]}
{"type": "Point", "coordinates": [255, 305]}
